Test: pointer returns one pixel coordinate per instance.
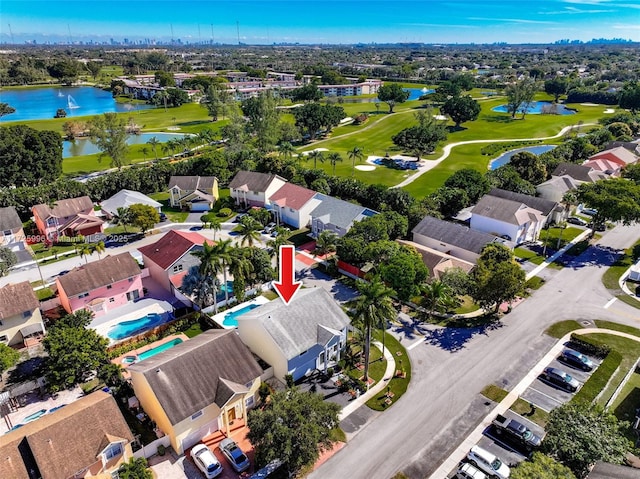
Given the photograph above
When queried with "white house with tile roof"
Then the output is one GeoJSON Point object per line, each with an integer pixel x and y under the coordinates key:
{"type": "Point", "coordinates": [293, 204]}
{"type": "Point", "coordinates": [250, 188]}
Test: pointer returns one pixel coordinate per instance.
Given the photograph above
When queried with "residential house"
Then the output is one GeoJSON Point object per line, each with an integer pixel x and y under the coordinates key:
{"type": "Point", "coordinates": [71, 217]}
{"type": "Point", "coordinates": [512, 220]}
{"type": "Point", "coordinates": [11, 232]}
{"type": "Point", "coordinates": [551, 210]}
{"type": "Point", "coordinates": [193, 193]}
{"type": "Point", "coordinates": [292, 204]}
{"type": "Point", "coordinates": [436, 261]}
{"type": "Point", "coordinates": [580, 173]}
{"type": "Point", "coordinates": [556, 188]}
{"type": "Point", "coordinates": [101, 286]}
{"type": "Point", "coordinates": [452, 239]}
{"type": "Point", "coordinates": [250, 188]}
{"type": "Point", "coordinates": [608, 167]}
{"type": "Point", "coordinates": [87, 438]}
{"type": "Point", "coordinates": [20, 318]}
{"type": "Point", "coordinates": [170, 258]}
{"type": "Point", "coordinates": [307, 334]}
{"type": "Point", "coordinates": [336, 215]}
{"type": "Point", "coordinates": [197, 387]}
{"type": "Point", "coordinates": [126, 198]}
{"type": "Point", "coordinates": [619, 155]}
{"type": "Point", "coordinates": [632, 146]}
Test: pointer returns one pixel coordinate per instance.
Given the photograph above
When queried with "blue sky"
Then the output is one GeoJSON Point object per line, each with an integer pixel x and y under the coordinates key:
{"type": "Point", "coordinates": [328, 21]}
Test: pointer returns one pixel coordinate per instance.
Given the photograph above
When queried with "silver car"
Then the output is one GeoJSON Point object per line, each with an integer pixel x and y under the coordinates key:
{"type": "Point", "coordinates": [238, 459]}
{"type": "Point", "coordinates": [561, 378]}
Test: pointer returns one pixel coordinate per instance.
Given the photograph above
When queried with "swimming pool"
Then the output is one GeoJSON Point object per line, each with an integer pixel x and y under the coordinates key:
{"type": "Point", "coordinates": [136, 326]}
{"type": "Point", "coordinates": [34, 416]}
{"type": "Point", "coordinates": [506, 157]}
{"type": "Point", "coordinates": [158, 349]}
{"type": "Point", "coordinates": [231, 318]}
{"type": "Point", "coordinates": [540, 107]}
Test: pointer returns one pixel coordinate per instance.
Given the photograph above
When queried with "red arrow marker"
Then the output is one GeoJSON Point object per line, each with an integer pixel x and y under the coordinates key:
{"type": "Point", "coordinates": [287, 286]}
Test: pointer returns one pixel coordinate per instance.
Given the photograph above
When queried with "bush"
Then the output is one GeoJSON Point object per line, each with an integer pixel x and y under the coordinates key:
{"type": "Point", "coordinates": [589, 346]}
{"type": "Point", "coordinates": [161, 450]}
{"type": "Point", "coordinates": [224, 212]}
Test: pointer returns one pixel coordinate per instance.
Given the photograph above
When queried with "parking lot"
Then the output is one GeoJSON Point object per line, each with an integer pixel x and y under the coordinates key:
{"type": "Point", "coordinates": [541, 394]}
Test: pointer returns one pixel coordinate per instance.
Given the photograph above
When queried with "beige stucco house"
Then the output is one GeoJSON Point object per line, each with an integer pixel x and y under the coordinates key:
{"type": "Point", "coordinates": [20, 317]}
{"type": "Point", "coordinates": [197, 387]}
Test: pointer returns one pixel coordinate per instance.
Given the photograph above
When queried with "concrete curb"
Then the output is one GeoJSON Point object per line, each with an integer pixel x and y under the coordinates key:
{"type": "Point", "coordinates": [454, 459]}
{"type": "Point", "coordinates": [388, 375]}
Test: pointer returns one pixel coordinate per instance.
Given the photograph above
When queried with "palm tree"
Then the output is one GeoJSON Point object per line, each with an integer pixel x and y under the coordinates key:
{"type": "Point", "coordinates": [122, 217]}
{"type": "Point", "coordinates": [240, 267]}
{"type": "Point", "coordinates": [99, 248]}
{"type": "Point", "coordinates": [205, 136]}
{"type": "Point", "coordinates": [334, 157]}
{"type": "Point", "coordinates": [372, 309]}
{"type": "Point", "coordinates": [355, 154]}
{"type": "Point", "coordinates": [316, 155]}
{"type": "Point", "coordinates": [286, 150]}
{"type": "Point", "coordinates": [136, 468]}
{"type": "Point", "coordinates": [223, 252]}
{"type": "Point", "coordinates": [153, 142]}
{"type": "Point", "coordinates": [326, 243]}
{"type": "Point", "coordinates": [209, 268]}
{"type": "Point", "coordinates": [275, 243]}
{"type": "Point", "coordinates": [84, 250]}
{"type": "Point", "coordinates": [215, 224]}
{"type": "Point", "coordinates": [145, 151]}
{"type": "Point", "coordinates": [249, 230]}
{"type": "Point", "coordinates": [439, 296]}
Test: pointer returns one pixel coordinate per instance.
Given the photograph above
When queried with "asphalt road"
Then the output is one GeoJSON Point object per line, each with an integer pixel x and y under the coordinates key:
{"type": "Point", "coordinates": [450, 367]}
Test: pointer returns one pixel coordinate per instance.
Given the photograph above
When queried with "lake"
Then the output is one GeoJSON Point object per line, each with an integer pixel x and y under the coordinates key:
{"type": "Point", "coordinates": [506, 157]}
{"type": "Point", "coordinates": [84, 146]}
{"type": "Point", "coordinates": [42, 103]}
{"type": "Point", "coordinates": [539, 108]}
{"type": "Point", "coordinates": [414, 94]}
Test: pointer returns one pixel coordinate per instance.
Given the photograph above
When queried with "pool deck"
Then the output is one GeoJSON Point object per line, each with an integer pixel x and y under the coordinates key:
{"type": "Point", "coordinates": [146, 347]}
{"type": "Point", "coordinates": [128, 312]}
{"type": "Point", "coordinates": [219, 318]}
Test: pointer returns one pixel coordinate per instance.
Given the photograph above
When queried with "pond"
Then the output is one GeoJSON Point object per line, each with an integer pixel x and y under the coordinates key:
{"type": "Point", "coordinates": [42, 103]}
{"type": "Point", "coordinates": [540, 107]}
{"type": "Point", "coordinates": [414, 94]}
{"type": "Point", "coordinates": [506, 157]}
{"type": "Point", "coordinates": [84, 146]}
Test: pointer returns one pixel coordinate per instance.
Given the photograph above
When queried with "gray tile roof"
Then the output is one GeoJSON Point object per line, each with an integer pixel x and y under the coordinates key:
{"type": "Point", "coordinates": [193, 183]}
{"type": "Point", "coordinates": [559, 184]}
{"type": "Point", "coordinates": [205, 370]}
{"type": "Point", "coordinates": [305, 322]}
{"type": "Point", "coordinates": [253, 181]}
{"type": "Point", "coordinates": [339, 212]}
{"type": "Point", "coordinates": [9, 219]}
{"type": "Point", "coordinates": [541, 204]}
{"type": "Point", "coordinates": [577, 172]}
{"type": "Point", "coordinates": [502, 209]}
{"type": "Point", "coordinates": [454, 234]}
{"type": "Point", "coordinates": [604, 470]}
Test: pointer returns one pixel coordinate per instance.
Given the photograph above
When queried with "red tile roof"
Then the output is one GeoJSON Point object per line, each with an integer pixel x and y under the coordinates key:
{"type": "Point", "coordinates": [618, 155]}
{"type": "Point", "coordinates": [171, 247]}
{"type": "Point", "coordinates": [292, 196]}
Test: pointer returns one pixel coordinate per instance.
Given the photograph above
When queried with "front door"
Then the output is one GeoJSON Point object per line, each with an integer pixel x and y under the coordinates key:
{"type": "Point", "coordinates": [231, 414]}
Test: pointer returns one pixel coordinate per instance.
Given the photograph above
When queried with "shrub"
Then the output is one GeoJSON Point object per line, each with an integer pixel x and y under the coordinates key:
{"type": "Point", "coordinates": [589, 346]}
{"type": "Point", "coordinates": [224, 212]}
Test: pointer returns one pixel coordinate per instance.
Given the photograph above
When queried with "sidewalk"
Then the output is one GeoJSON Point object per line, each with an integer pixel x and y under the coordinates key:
{"type": "Point", "coordinates": [472, 439]}
{"type": "Point", "coordinates": [388, 375]}
{"type": "Point", "coordinates": [557, 254]}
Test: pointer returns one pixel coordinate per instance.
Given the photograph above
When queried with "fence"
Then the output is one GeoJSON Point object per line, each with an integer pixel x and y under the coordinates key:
{"type": "Point", "coordinates": [151, 449]}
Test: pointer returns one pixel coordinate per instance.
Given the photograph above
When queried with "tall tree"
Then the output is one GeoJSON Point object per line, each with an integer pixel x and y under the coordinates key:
{"type": "Point", "coordinates": [424, 137]}
{"type": "Point", "coordinates": [241, 267]}
{"type": "Point", "coordinates": [630, 97]}
{"type": "Point", "coordinates": [123, 217]}
{"type": "Point", "coordinates": [616, 199]}
{"type": "Point", "coordinates": [392, 94]}
{"type": "Point", "coordinates": [8, 260]}
{"type": "Point", "coordinates": [109, 133]}
{"type": "Point", "coordinates": [216, 100]}
{"type": "Point", "coordinates": [355, 154]}
{"type": "Point", "coordinates": [263, 119]}
{"type": "Point", "coordinates": [541, 466]}
{"type": "Point", "coordinates": [249, 230]}
{"type": "Point", "coordinates": [286, 150]}
{"type": "Point", "coordinates": [294, 427]}
{"type": "Point", "coordinates": [315, 156]}
{"type": "Point", "coordinates": [334, 158]}
{"type": "Point", "coordinates": [471, 181]}
{"type": "Point", "coordinates": [529, 166]}
{"type": "Point", "coordinates": [208, 270]}
{"type": "Point", "coordinates": [461, 109]}
{"type": "Point", "coordinates": [372, 309]}
{"type": "Point", "coordinates": [556, 86]}
{"type": "Point", "coordinates": [153, 142]}
{"type": "Point", "coordinates": [439, 297]}
{"type": "Point", "coordinates": [224, 253]}
{"type": "Point", "coordinates": [144, 216]}
{"type": "Point", "coordinates": [519, 96]}
{"type": "Point", "coordinates": [94, 68]}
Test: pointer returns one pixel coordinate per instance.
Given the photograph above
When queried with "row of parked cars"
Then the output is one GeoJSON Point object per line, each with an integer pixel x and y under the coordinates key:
{"type": "Point", "coordinates": [482, 464]}
{"type": "Point", "coordinates": [208, 463]}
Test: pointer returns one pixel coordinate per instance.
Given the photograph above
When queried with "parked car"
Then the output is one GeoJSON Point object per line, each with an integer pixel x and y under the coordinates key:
{"type": "Point", "coordinates": [163, 217]}
{"type": "Point", "coordinates": [489, 463]}
{"type": "Point", "coordinates": [239, 217]}
{"type": "Point", "coordinates": [269, 228]}
{"type": "Point", "coordinates": [574, 220]}
{"type": "Point", "coordinates": [576, 359]}
{"type": "Point", "coordinates": [598, 226]}
{"type": "Point", "coordinates": [206, 461]}
{"type": "Point", "coordinates": [561, 378]}
{"type": "Point", "coordinates": [516, 432]}
{"type": "Point", "coordinates": [238, 459]}
{"type": "Point", "coordinates": [589, 211]}
{"type": "Point", "coordinates": [467, 471]}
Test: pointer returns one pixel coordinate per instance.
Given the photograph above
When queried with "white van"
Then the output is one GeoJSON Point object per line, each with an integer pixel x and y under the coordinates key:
{"type": "Point", "coordinates": [489, 463]}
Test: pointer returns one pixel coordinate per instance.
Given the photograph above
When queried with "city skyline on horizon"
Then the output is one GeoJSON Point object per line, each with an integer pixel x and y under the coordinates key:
{"type": "Point", "coordinates": [328, 22]}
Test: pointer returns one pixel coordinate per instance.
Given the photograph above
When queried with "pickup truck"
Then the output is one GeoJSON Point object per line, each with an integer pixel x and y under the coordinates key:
{"type": "Point", "coordinates": [518, 432]}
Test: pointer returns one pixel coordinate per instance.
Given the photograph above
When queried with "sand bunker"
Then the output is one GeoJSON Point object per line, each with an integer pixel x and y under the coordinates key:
{"type": "Point", "coordinates": [316, 149]}
{"type": "Point", "coordinates": [589, 104]}
{"type": "Point", "coordinates": [365, 167]}
{"type": "Point", "coordinates": [609, 110]}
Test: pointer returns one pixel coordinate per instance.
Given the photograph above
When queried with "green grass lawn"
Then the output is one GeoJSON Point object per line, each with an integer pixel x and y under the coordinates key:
{"type": "Point", "coordinates": [175, 215]}
{"type": "Point", "coordinates": [532, 413]}
{"type": "Point", "coordinates": [626, 403]}
{"type": "Point", "coordinates": [561, 328]}
{"type": "Point", "coordinates": [398, 385]}
{"type": "Point", "coordinates": [493, 392]}
{"type": "Point", "coordinates": [611, 277]}
{"type": "Point", "coordinates": [466, 306]}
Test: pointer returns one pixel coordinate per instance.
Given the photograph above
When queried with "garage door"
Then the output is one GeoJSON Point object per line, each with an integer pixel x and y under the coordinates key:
{"type": "Point", "coordinates": [196, 436]}
{"type": "Point", "coordinates": [198, 207]}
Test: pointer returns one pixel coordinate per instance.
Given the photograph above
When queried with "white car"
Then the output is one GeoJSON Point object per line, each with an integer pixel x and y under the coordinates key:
{"type": "Point", "coordinates": [467, 471]}
{"type": "Point", "coordinates": [206, 461]}
{"type": "Point", "coordinates": [488, 462]}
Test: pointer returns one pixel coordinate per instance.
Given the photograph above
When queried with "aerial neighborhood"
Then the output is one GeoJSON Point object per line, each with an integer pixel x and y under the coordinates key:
{"type": "Point", "coordinates": [384, 261]}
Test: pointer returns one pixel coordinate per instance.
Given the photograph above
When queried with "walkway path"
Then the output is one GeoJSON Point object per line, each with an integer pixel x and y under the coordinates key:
{"type": "Point", "coordinates": [472, 439]}
{"type": "Point", "coordinates": [449, 147]}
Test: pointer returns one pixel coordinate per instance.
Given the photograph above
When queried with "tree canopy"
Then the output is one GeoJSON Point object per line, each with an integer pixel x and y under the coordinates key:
{"type": "Point", "coordinates": [541, 466]}
{"type": "Point", "coordinates": [616, 199]}
{"type": "Point", "coordinates": [29, 157]}
{"type": "Point", "coordinates": [556, 86]}
{"type": "Point", "coordinates": [578, 435]}
{"type": "Point", "coordinates": [519, 96]}
{"type": "Point", "coordinates": [8, 259]}
{"type": "Point", "coordinates": [293, 427]}
{"type": "Point", "coordinates": [144, 216]}
{"type": "Point", "coordinates": [109, 132]}
{"type": "Point", "coordinates": [392, 94]}
{"type": "Point", "coordinates": [461, 109]}
{"type": "Point", "coordinates": [8, 357]}
{"type": "Point", "coordinates": [529, 166]}
{"type": "Point", "coordinates": [422, 138]}
{"type": "Point", "coordinates": [311, 118]}
{"type": "Point", "coordinates": [630, 97]}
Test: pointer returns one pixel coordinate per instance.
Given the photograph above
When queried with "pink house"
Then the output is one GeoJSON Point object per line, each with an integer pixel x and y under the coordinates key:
{"type": "Point", "coordinates": [101, 286]}
{"type": "Point", "coordinates": [71, 217]}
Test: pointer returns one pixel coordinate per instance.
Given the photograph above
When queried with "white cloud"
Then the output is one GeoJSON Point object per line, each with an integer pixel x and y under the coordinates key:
{"type": "Point", "coordinates": [512, 20]}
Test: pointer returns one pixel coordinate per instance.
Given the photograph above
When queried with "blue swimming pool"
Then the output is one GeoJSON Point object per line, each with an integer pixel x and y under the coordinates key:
{"type": "Point", "coordinates": [540, 107]}
{"type": "Point", "coordinates": [231, 318]}
{"type": "Point", "coordinates": [34, 416]}
{"type": "Point", "coordinates": [506, 157]}
{"type": "Point", "coordinates": [158, 349]}
{"type": "Point", "coordinates": [136, 326]}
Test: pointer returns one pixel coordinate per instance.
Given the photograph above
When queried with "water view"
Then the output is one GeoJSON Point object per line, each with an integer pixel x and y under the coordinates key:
{"type": "Point", "coordinates": [540, 108]}
{"type": "Point", "coordinates": [42, 103]}
{"type": "Point", "coordinates": [84, 146]}
{"type": "Point", "coordinates": [506, 157]}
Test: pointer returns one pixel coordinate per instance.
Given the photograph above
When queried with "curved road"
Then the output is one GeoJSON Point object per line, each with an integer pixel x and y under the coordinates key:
{"type": "Point", "coordinates": [451, 366]}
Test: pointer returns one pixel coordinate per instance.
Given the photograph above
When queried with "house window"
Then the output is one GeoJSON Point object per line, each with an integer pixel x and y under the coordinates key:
{"type": "Point", "coordinates": [133, 295]}
{"type": "Point", "coordinates": [177, 268]}
{"type": "Point", "coordinates": [196, 415]}
{"type": "Point", "coordinates": [109, 286]}
{"type": "Point", "coordinates": [83, 295]}
{"type": "Point", "coordinates": [249, 402]}
{"type": "Point", "coordinates": [4, 339]}
{"type": "Point", "coordinates": [7, 232]}
{"type": "Point", "coordinates": [131, 280]}
{"type": "Point", "coordinates": [249, 384]}
{"type": "Point", "coordinates": [304, 352]}
{"type": "Point", "coordinates": [26, 314]}
{"type": "Point", "coordinates": [112, 300]}
{"type": "Point", "coordinates": [112, 451]}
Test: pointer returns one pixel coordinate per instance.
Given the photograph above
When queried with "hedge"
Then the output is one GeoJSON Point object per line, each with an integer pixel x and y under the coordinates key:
{"type": "Point", "coordinates": [589, 346]}
{"type": "Point", "coordinates": [599, 379]}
